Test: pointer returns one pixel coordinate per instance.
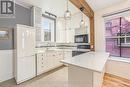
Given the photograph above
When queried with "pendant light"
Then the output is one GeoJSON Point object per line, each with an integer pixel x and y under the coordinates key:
{"type": "Point", "coordinates": [67, 14]}
{"type": "Point", "coordinates": [82, 20]}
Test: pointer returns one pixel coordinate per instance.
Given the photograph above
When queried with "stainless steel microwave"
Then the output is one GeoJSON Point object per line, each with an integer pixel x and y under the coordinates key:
{"type": "Point", "coordinates": [81, 38]}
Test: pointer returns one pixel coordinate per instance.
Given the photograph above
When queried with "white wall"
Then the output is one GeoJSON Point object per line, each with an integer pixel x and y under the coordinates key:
{"type": "Point", "coordinates": [6, 65]}
{"type": "Point", "coordinates": [28, 3]}
{"type": "Point", "coordinates": [118, 68]}
{"type": "Point", "coordinates": [57, 7]}
{"type": "Point", "coordinates": [115, 67]}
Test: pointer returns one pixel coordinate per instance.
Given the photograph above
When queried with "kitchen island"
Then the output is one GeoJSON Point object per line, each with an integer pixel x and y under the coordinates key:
{"type": "Point", "coordinates": [86, 70]}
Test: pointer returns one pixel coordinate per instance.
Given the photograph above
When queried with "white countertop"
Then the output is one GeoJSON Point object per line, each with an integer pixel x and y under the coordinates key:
{"type": "Point", "coordinates": [42, 50]}
{"type": "Point", "coordinates": [94, 61]}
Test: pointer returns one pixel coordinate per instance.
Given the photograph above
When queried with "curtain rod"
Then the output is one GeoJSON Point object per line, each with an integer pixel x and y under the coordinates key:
{"type": "Point", "coordinates": [117, 12]}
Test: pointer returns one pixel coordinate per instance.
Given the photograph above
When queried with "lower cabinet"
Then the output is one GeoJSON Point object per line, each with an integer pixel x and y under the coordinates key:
{"type": "Point", "coordinates": [67, 55]}
{"type": "Point", "coordinates": [48, 60]}
{"type": "Point", "coordinates": [42, 63]}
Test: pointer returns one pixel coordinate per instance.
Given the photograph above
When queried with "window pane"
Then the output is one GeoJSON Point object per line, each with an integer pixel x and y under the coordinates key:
{"type": "Point", "coordinates": [118, 37]}
{"type": "Point", "coordinates": [112, 31]}
{"type": "Point", "coordinates": [112, 47]}
{"type": "Point", "coordinates": [48, 29]}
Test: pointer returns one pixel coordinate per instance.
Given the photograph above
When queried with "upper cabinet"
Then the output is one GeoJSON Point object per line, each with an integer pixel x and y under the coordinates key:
{"type": "Point", "coordinates": [36, 17]}
{"type": "Point", "coordinates": [36, 21]}
{"type": "Point", "coordinates": [67, 29]}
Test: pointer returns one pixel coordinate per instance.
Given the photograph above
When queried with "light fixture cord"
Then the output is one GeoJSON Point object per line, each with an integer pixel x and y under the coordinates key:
{"type": "Point", "coordinates": [82, 17]}
{"type": "Point", "coordinates": [67, 4]}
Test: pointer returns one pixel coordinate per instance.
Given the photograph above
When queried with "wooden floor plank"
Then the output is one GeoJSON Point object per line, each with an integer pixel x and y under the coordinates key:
{"type": "Point", "coordinates": [115, 81]}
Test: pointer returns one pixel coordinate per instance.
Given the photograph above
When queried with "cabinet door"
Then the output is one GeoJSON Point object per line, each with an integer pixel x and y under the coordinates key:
{"type": "Point", "coordinates": [51, 58]}
{"type": "Point", "coordinates": [68, 55]}
{"type": "Point", "coordinates": [59, 58]}
{"type": "Point", "coordinates": [70, 36]}
{"type": "Point", "coordinates": [45, 63]}
{"type": "Point", "coordinates": [36, 16]}
{"type": "Point", "coordinates": [48, 60]}
{"type": "Point", "coordinates": [61, 36]}
{"type": "Point", "coordinates": [39, 63]}
{"type": "Point", "coordinates": [42, 63]}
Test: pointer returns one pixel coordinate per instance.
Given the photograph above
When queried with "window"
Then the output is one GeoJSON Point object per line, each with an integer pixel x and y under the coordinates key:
{"type": "Point", "coordinates": [48, 29]}
{"type": "Point", "coordinates": [118, 36]}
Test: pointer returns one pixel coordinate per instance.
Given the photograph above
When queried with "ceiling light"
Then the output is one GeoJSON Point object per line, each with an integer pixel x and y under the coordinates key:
{"type": "Point", "coordinates": [67, 14]}
{"type": "Point", "coordinates": [82, 20]}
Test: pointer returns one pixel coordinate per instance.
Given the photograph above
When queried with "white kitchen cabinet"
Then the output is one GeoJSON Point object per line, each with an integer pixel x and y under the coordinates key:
{"type": "Point", "coordinates": [61, 36]}
{"type": "Point", "coordinates": [48, 60]}
{"type": "Point", "coordinates": [42, 63]}
{"type": "Point", "coordinates": [80, 31]}
{"type": "Point", "coordinates": [64, 32]}
{"type": "Point", "coordinates": [58, 57]}
{"type": "Point", "coordinates": [60, 30]}
{"type": "Point", "coordinates": [67, 55]}
{"type": "Point", "coordinates": [51, 56]}
{"type": "Point", "coordinates": [36, 21]}
{"type": "Point", "coordinates": [70, 35]}
{"type": "Point", "coordinates": [36, 16]}
{"type": "Point", "coordinates": [65, 36]}
{"type": "Point", "coordinates": [54, 58]}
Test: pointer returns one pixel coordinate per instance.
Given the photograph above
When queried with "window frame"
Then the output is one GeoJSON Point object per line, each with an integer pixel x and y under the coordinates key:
{"type": "Point", "coordinates": [54, 19]}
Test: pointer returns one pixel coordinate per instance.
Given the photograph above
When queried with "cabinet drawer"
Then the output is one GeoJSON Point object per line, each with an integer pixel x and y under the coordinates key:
{"type": "Point", "coordinates": [40, 55]}
{"type": "Point", "coordinates": [50, 54]}
{"type": "Point", "coordinates": [60, 54]}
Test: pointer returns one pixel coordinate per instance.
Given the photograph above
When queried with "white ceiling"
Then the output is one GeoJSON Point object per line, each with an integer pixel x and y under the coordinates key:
{"type": "Point", "coordinates": [100, 4]}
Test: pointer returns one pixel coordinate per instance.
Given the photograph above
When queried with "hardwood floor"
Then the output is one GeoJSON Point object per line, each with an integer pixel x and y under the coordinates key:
{"type": "Point", "coordinates": [114, 81]}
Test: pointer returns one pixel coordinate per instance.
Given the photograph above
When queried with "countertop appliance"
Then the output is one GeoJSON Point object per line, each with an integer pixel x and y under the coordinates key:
{"type": "Point", "coordinates": [24, 51]}
{"type": "Point", "coordinates": [81, 38]}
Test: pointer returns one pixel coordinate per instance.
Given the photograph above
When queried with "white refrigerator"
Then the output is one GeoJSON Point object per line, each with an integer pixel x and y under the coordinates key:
{"type": "Point", "coordinates": [24, 53]}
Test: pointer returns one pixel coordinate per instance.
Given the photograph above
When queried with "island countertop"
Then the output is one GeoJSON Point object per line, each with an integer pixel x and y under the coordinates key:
{"type": "Point", "coordinates": [94, 61]}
